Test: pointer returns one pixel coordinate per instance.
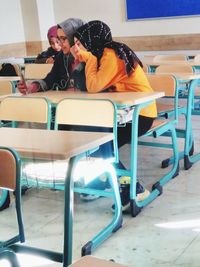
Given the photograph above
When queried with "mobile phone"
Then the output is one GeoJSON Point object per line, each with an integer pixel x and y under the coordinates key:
{"type": "Point", "coordinates": [24, 82]}
{"type": "Point", "coordinates": [22, 77]}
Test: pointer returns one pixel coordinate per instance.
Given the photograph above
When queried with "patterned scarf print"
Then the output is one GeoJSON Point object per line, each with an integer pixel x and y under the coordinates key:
{"type": "Point", "coordinates": [96, 35]}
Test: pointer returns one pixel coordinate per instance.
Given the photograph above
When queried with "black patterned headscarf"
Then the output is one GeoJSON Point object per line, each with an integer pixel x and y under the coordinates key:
{"type": "Point", "coordinates": [96, 35]}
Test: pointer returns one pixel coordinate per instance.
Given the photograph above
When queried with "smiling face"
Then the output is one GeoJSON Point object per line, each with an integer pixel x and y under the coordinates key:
{"type": "Point", "coordinates": [55, 44]}
{"type": "Point", "coordinates": [64, 43]}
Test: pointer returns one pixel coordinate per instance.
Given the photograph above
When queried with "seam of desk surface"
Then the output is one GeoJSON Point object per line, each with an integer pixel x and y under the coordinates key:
{"type": "Point", "coordinates": [50, 144]}
{"type": "Point", "coordinates": [126, 98]}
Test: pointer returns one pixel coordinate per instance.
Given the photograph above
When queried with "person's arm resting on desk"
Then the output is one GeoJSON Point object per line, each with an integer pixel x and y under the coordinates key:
{"type": "Point", "coordinates": [105, 76]}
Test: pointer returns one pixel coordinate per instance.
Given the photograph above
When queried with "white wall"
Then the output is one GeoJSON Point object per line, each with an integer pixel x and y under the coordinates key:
{"type": "Point", "coordinates": [30, 20]}
{"type": "Point", "coordinates": [46, 16]}
{"type": "Point", "coordinates": [113, 12]}
{"type": "Point", "coordinates": [11, 29]}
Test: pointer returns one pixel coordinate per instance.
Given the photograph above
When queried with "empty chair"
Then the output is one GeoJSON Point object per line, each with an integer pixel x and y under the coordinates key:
{"type": "Point", "coordinates": [162, 126]}
{"type": "Point", "coordinates": [168, 106]}
{"type": "Point", "coordinates": [10, 179]}
{"type": "Point", "coordinates": [26, 109]}
{"type": "Point", "coordinates": [78, 112]}
{"type": "Point", "coordinates": [168, 84]}
{"type": "Point", "coordinates": [163, 82]}
{"type": "Point", "coordinates": [86, 112]}
{"type": "Point", "coordinates": [37, 71]}
{"type": "Point", "coordinates": [6, 87]}
{"type": "Point", "coordinates": [171, 106]}
{"type": "Point", "coordinates": [170, 58]}
{"type": "Point", "coordinates": [175, 68]}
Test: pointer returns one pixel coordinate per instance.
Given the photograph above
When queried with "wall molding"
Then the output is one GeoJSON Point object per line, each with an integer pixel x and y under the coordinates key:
{"type": "Point", "coordinates": [23, 49]}
{"type": "Point", "coordinates": [137, 43]}
{"type": "Point", "coordinates": [162, 42]}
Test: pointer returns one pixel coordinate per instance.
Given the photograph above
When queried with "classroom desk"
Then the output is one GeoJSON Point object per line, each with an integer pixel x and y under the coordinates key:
{"type": "Point", "coordinates": [192, 81]}
{"type": "Point", "coordinates": [125, 101]}
{"type": "Point", "coordinates": [53, 145]}
{"type": "Point", "coordinates": [152, 64]}
{"type": "Point", "coordinates": [169, 62]}
{"type": "Point", "coordinates": [14, 94]}
{"type": "Point", "coordinates": [136, 100]}
{"type": "Point", "coordinates": [184, 77]}
{"type": "Point", "coordinates": [10, 78]}
{"type": "Point", "coordinates": [151, 56]}
{"type": "Point", "coordinates": [121, 99]}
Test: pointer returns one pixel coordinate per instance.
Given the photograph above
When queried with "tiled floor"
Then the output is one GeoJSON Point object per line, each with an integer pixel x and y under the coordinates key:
{"type": "Point", "coordinates": [165, 233]}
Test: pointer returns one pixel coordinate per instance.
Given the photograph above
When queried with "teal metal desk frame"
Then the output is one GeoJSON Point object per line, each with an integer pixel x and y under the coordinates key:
{"type": "Point", "coordinates": [66, 256]}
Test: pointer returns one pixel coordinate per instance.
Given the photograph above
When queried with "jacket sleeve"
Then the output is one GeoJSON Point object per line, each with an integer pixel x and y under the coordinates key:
{"type": "Point", "coordinates": [59, 76]}
{"type": "Point", "coordinates": [109, 71]}
{"type": "Point", "coordinates": [53, 77]}
{"type": "Point", "coordinates": [42, 57]}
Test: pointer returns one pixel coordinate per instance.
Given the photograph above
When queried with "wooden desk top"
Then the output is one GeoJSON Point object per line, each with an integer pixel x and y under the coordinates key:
{"type": "Point", "coordinates": [51, 144]}
{"type": "Point", "coordinates": [180, 76]}
{"type": "Point", "coordinates": [13, 94]}
{"type": "Point", "coordinates": [123, 98]}
{"type": "Point", "coordinates": [155, 63]}
{"type": "Point", "coordinates": [9, 78]}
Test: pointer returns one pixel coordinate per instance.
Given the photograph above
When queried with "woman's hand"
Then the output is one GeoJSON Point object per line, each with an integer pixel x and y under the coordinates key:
{"type": "Point", "coordinates": [50, 60]}
{"type": "Point", "coordinates": [77, 50]}
{"type": "Point", "coordinates": [27, 88]}
{"type": "Point", "coordinates": [73, 52]}
{"type": "Point", "coordinates": [22, 87]}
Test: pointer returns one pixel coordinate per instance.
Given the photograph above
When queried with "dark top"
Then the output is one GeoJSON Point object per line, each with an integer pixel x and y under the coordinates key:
{"type": "Point", "coordinates": [8, 70]}
{"type": "Point", "coordinates": [42, 58]}
{"type": "Point", "coordinates": [62, 76]}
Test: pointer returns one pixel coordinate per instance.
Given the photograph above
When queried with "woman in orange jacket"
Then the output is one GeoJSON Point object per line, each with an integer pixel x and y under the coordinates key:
{"type": "Point", "coordinates": [113, 66]}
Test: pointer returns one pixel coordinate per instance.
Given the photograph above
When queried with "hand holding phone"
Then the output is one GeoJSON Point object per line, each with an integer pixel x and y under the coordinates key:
{"type": "Point", "coordinates": [23, 81]}
{"type": "Point", "coordinates": [22, 78]}
{"type": "Point", "coordinates": [28, 87]}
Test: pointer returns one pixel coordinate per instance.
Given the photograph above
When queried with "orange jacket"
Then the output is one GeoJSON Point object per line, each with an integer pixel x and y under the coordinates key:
{"type": "Point", "coordinates": [111, 73]}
